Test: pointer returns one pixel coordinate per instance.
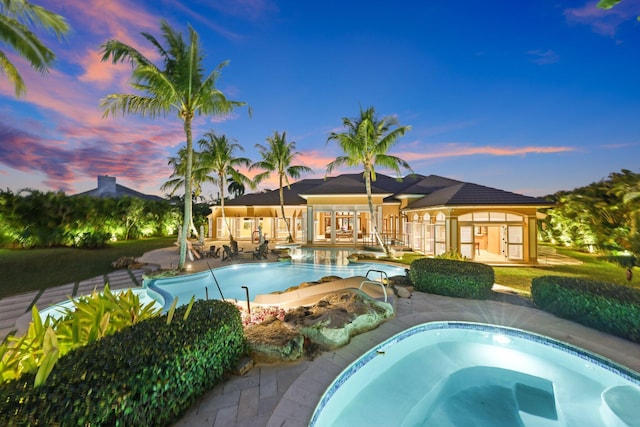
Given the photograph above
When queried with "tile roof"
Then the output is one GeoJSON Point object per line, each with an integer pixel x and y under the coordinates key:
{"type": "Point", "coordinates": [437, 191]}
{"type": "Point", "coordinates": [465, 193]}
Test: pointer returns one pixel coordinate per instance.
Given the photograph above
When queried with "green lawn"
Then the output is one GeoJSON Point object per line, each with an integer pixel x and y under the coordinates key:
{"type": "Point", "coordinates": [520, 278]}
{"type": "Point", "coordinates": [23, 270]}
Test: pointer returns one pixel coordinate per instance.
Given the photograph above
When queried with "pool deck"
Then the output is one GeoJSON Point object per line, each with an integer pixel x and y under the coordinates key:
{"type": "Point", "coordinates": [286, 394]}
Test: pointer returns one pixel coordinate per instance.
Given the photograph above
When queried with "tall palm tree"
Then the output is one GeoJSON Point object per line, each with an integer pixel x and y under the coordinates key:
{"type": "Point", "coordinates": [277, 156]}
{"type": "Point", "coordinates": [15, 18]}
{"type": "Point", "coordinates": [365, 142]}
{"type": "Point", "coordinates": [179, 86]}
{"type": "Point", "coordinates": [199, 176]}
{"type": "Point", "coordinates": [219, 158]}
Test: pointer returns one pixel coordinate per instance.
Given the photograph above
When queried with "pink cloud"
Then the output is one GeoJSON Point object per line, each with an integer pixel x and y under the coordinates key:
{"type": "Point", "coordinates": [459, 150]}
{"type": "Point", "coordinates": [604, 22]}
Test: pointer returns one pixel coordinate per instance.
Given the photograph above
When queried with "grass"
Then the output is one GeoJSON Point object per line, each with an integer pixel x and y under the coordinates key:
{"type": "Point", "coordinates": [592, 267]}
{"type": "Point", "coordinates": [24, 270]}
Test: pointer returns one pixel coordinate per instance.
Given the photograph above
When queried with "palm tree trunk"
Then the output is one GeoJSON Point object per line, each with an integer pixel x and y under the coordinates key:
{"type": "Point", "coordinates": [187, 194]}
{"type": "Point", "coordinates": [286, 221]}
{"type": "Point", "coordinates": [374, 219]}
{"type": "Point", "coordinates": [223, 183]}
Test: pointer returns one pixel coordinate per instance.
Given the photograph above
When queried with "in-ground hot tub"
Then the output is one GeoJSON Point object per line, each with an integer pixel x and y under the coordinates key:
{"type": "Point", "coordinates": [458, 374]}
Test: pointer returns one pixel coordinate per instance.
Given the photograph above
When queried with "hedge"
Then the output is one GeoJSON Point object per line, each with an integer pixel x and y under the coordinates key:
{"type": "Point", "coordinates": [607, 307]}
{"type": "Point", "coordinates": [147, 374]}
{"type": "Point", "coordinates": [452, 278]}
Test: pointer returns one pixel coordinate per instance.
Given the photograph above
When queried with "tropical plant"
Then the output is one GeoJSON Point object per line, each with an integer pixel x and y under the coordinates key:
{"type": "Point", "coordinates": [180, 86]}
{"type": "Point", "coordinates": [16, 16]}
{"type": "Point", "coordinates": [365, 142]}
{"type": "Point", "coordinates": [236, 188]}
{"type": "Point", "coordinates": [218, 158]}
{"type": "Point", "coordinates": [89, 319]}
{"type": "Point", "coordinates": [198, 177]}
{"type": "Point", "coordinates": [277, 157]}
{"type": "Point", "coordinates": [602, 216]}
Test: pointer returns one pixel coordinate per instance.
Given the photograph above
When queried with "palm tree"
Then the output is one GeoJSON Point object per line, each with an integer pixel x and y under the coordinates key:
{"type": "Point", "coordinates": [218, 158]}
{"type": "Point", "coordinates": [198, 177]}
{"type": "Point", "coordinates": [181, 86]}
{"type": "Point", "coordinates": [277, 157]}
{"type": "Point", "coordinates": [15, 17]}
{"type": "Point", "coordinates": [236, 188]}
{"type": "Point", "coordinates": [365, 143]}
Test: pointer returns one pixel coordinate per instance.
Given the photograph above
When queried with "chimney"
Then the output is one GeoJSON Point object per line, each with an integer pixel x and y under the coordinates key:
{"type": "Point", "coordinates": [106, 185]}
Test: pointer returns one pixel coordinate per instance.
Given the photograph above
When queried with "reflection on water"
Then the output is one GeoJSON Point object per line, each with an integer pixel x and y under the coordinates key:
{"type": "Point", "coordinates": [333, 256]}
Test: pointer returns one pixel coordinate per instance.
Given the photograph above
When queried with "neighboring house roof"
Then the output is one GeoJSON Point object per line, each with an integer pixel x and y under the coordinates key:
{"type": "Point", "coordinates": [468, 194]}
{"type": "Point", "coordinates": [107, 187]}
{"type": "Point", "coordinates": [430, 191]}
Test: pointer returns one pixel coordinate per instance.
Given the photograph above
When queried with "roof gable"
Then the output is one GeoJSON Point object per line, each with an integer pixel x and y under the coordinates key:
{"type": "Point", "coordinates": [466, 193]}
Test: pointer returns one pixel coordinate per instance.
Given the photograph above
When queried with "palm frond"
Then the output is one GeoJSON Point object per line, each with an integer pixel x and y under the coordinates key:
{"type": "Point", "coordinates": [126, 103]}
{"type": "Point", "coordinates": [9, 70]}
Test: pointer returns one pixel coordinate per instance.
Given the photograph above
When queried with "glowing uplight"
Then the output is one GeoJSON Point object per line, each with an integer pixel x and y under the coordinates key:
{"type": "Point", "coordinates": [501, 339]}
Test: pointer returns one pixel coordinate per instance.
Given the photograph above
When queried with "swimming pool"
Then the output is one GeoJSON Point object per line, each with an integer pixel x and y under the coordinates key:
{"type": "Point", "coordinates": [259, 278]}
{"type": "Point", "coordinates": [460, 373]}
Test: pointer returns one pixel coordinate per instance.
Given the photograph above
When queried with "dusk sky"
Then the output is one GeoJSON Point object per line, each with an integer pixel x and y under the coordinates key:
{"type": "Point", "coordinates": [530, 97]}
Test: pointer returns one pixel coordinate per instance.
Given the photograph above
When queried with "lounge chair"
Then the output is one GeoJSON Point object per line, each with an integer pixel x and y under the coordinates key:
{"type": "Point", "coordinates": [262, 251]}
{"type": "Point", "coordinates": [228, 254]}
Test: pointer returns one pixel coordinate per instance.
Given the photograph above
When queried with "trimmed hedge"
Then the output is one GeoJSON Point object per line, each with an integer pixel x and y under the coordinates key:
{"type": "Point", "coordinates": [607, 307]}
{"type": "Point", "coordinates": [452, 278]}
{"type": "Point", "coordinates": [147, 374]}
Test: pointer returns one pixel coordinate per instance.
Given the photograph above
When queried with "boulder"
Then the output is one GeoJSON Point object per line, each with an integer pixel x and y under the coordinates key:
{"type": "Point", "coordinates": [274, 341]}
{"type": "Point", "coordinates": [332, 322]}
{"type": "Point", "coordinates": [402, 291]}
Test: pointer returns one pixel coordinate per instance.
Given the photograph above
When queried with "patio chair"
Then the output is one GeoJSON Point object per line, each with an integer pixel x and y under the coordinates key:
{"type": "Point", "coordinates": [262, 251]}
{"type": "Point", "coordinates": [234, 247]}
{"type": "Point", "coordinates": [228, 254]}
{"type": "Point", "coordinates": [211, 253]}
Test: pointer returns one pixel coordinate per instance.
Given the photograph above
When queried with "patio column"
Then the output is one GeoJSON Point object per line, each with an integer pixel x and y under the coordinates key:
{"type": "Point", "coordinates": [451, 230]}
{"type": "Point", "coordinates": [531, 223]}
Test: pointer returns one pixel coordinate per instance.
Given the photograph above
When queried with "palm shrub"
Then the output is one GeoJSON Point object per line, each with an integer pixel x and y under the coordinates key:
{"type": "Point", "coordinates": [452, 277]}
{"type": "Point", "coordinates": [91, 318]}
{"type": "Point", "coordinates": [607, 307]}
{"type": "Point", "coordinates": [147, 374]}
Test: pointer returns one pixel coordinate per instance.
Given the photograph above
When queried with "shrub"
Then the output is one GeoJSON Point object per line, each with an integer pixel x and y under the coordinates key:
{"type": "Point", "coordinates": [147, 374]}
{"type": "Point", "coordinates": [607, 307]}
{"type": "Point", "coordinates": [452, 278]}
{"type": "Point", "coordinates": [625, 261]}
{"type": "Point", "coordinates": [91, 318]}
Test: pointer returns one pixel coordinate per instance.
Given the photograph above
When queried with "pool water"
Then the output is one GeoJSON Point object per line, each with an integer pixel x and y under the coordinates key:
{"type": "Point", "coordinates": [259, 278]}
{"type": "Point", "coordinates": [468, 374]}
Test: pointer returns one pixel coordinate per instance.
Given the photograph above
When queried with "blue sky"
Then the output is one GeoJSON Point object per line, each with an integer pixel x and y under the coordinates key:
{"type": "Point", "coordinates": [530, 97]}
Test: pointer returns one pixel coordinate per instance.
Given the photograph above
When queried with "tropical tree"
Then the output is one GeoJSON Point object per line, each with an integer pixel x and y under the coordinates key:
{"type": "Point", "coordinates": [277, 157]}
{"type": "Point", "coordinates": [236, 188]}
{"type": "Point", "coordinates": [176, 180]}
{"type": "Point", "coordinates": [179, 86]}
{"type": "Point", "coordinates": [218, 158]}
{"type": "Point", "coordinates": [15, 18]}
{"type": "Point", "coordinates": [365, 142]}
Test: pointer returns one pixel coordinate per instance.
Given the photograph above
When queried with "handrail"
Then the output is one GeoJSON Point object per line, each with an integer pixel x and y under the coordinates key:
{"type": "Point", "coordinates": [384, 278]}
{"type": "Point", "coordinates": [384, 288]}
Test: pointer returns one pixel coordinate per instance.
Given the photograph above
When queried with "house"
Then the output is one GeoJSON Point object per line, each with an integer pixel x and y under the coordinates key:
{"type": "Point", "coordinates": [429, 214]}
{"type": "Point", "coordinates": [107, 187]}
